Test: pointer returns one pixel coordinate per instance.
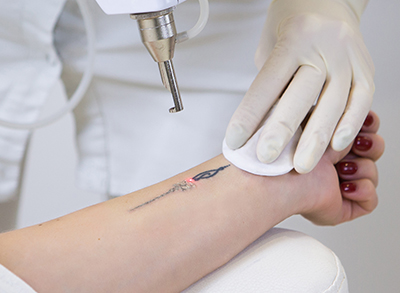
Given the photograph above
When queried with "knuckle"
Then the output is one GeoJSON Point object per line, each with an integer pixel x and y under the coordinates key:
{"type": "Point", "coordinates": [246, 117]}
{"type": "Point", "coordinates": [343, 29]}
{"type": "Point", "coordinates": [372, 198]}
{"type": "Point", "coordinates": [300, 23]}
{"type": "Point", "coordinates": [322, 136]}
{"type": "Point", "coordinates": [319, 72]}
{"type": "Point", "coordinates": [371, 66]}
{"type": "Point", "coordinates": [365, 88]}
{"type": "Point", "coordinates": [277, 131]}
{"type": "Point", "coordinates": [286, 127]}
{"type": "Point", "coordinates": [259, 59]}
{"type": "Point", "coordinates": [312, 23]}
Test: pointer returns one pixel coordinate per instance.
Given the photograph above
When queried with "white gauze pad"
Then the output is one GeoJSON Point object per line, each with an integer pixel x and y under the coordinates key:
{"type": "Point", "coordinates": [246, 159]}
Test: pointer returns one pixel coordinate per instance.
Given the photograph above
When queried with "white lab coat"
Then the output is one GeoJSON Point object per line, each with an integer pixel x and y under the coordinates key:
{"type": "Point", "coordinates": [126, 138]}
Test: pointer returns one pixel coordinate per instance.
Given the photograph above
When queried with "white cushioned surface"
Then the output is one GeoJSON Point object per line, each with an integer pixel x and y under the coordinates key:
{"type": "Point", "coordinates": [279, 261]}
{"type": "Point", "coordinates": [10, 283]}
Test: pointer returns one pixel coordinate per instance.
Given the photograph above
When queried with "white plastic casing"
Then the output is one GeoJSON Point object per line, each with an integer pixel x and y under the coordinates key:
{"type": "Point", "coordinates": [135, 6]}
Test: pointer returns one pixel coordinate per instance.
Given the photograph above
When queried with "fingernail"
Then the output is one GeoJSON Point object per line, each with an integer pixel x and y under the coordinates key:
{"type": "Point", "coordinates": [363, 143]}
{"type": "Point", "coordinates": [348, 168]}
{"type": "Point", "coordinates": [342, 139]}
{"type": "Point", "coordinates": [369, 120]}
{"type": "Point", "coordinates": [268, 153]}
{"type": "Point", "coordinates": [306, 160]}
{"type": "Point", "coordinates": [348, 187]}
{"type": "Point", "coordinates": [235, 136]}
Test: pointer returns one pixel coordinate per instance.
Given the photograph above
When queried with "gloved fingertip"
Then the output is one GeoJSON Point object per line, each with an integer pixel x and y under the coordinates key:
{"type": "Point", "coordinates": [236, 136]}
{"type": "Point", "coordinates": [342, 138]}
{"type": "Point", "coordinates": [304, 165]}
{"type": "Point", "coordinates": [267, 153]}
{"type": "Point", "coordinates": [307, 157]}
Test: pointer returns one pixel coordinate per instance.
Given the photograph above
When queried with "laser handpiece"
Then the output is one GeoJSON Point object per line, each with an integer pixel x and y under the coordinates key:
{"type": "Point", "coordinates": [158, 33]}
{"type": "Point", "coordinates": [162, 8]}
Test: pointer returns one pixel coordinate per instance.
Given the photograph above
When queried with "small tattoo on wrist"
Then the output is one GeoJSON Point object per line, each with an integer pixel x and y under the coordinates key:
{"type": "Point", "coordinates": [185, 185]}
{"type": "Point", "coordinates": [209, 173]}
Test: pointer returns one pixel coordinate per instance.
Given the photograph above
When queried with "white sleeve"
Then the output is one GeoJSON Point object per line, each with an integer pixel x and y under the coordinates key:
{"type": "Point", "coordinates": [10, 283]}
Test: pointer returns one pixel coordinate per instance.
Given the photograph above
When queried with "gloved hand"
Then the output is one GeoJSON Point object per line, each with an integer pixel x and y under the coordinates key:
{"type": "Point", "coordinates": [308, 49]}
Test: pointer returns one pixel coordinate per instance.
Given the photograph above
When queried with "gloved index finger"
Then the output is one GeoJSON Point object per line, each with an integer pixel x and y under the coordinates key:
{"type": "Point", "coordinates": [267, 87]}
{"type": "Point", "coordinates": [291, 110]}
{"type": "Point", "coordinates": [321, 125]}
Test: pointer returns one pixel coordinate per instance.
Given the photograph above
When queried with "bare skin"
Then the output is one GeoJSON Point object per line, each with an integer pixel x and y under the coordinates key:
{"type": "Point", "coordinates": [137, 244]}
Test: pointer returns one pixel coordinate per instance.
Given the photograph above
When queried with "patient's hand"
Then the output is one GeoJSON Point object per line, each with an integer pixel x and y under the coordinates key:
{"type": "Point", "coordinates": [343, 185]}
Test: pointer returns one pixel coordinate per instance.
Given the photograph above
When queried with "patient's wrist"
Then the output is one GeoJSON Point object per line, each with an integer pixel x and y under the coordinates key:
{"type": "Point", "coordinates": [282, 193]}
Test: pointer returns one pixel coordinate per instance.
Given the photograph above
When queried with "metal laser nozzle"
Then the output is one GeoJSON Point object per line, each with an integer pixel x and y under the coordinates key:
{"type": "Point", "coordinates": [158, 33]}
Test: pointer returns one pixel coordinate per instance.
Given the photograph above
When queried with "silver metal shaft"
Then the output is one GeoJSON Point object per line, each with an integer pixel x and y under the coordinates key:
{"type": "Point", "coordinates": [169, 80]}
{"type": "Point", "coordinates": [158, 33]}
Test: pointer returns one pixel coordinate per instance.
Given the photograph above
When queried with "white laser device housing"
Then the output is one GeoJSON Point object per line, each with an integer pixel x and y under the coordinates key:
{"type": "Point", "coordinates": [136, 6]}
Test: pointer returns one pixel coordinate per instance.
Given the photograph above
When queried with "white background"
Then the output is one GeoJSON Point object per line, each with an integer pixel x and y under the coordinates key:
{"type": "Point", "coordinates": [367, 247]}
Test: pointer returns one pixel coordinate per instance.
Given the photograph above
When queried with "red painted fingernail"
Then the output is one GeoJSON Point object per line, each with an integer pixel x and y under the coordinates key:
{"type": "Point", "coordinates": [369, 120]}
{"type": "Point", "coordinates": [363, 143]}
{"type": "Point", "coordinates": [348, 187]}
{"type": "Point", "coordinates": [348, 168]}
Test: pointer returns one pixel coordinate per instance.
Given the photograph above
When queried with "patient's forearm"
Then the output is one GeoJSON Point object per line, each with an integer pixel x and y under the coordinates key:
{"type": "Point", "coordinates": [159, 239]}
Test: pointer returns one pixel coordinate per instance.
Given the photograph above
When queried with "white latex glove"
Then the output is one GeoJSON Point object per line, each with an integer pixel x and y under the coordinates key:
{"type": "Point", "coordinates": [308, 49]}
